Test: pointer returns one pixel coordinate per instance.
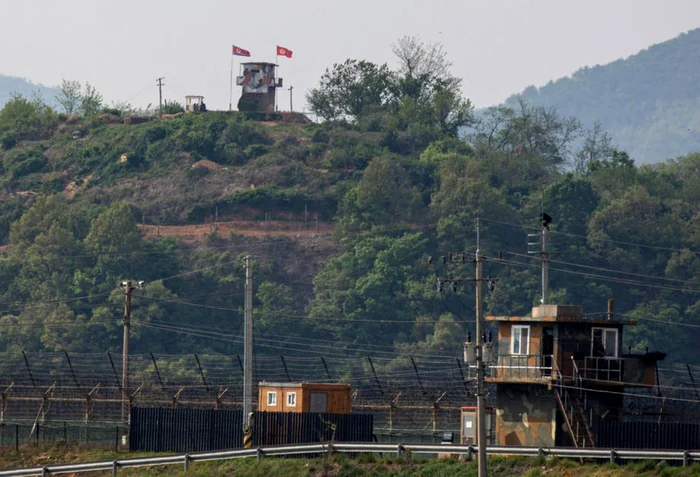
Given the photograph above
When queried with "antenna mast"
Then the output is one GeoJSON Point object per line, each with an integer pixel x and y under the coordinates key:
{"type": "Point", "coordinates": [543, 245]}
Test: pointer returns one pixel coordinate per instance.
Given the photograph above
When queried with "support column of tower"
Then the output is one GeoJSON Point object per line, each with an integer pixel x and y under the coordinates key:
{"type": "Point", "coordinates": [480, 391]}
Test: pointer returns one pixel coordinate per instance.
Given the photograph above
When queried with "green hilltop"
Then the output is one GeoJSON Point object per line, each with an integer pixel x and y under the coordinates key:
{"type": "Point", "coordinates": [649, 102]}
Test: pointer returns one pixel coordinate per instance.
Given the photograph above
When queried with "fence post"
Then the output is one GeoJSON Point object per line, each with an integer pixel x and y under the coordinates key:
{"type": "Point", "coordinates": [44, 472]}
{"type": "Point", "coordinates": [187, 462]}
{"type": "Point", "coordinates": [258, 454]}
{"type": "Point", "coordinates": [17, 438]}
{"type": "Point", "coordinates": [686, 458]}
{"type": "Point", "coordinates": [612, 456]}
{"type": "Point", "coordinates": [115, 468]}
{"type": "Point", "coordinates": [470, 451]}
{"type": "Point", "coordinates": [399, 450]}
{"type": "Point", "coordinates": [65, 432]}
{"type": "Point", "coordinates": [116, 440]}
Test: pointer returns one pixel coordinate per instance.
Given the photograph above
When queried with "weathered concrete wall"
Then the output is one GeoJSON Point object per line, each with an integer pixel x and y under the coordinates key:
{"type": "Point", "coordinates": [525, 415]}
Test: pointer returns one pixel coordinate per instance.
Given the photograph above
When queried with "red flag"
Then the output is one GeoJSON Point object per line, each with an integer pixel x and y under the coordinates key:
{"type": "Point", "coordinates": [282, 51]}
{"type": "Point", "coordinates": [240, 51]}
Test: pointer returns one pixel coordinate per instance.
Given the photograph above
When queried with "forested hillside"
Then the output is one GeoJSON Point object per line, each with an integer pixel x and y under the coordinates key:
{"type": "Point", "coordinates": [649, 102]}
{"type": "Point", "coordinates": [386, 174]}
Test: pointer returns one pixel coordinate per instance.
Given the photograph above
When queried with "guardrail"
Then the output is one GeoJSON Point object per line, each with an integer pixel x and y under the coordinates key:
{"type": "Point", "coordinates": [613, 455]}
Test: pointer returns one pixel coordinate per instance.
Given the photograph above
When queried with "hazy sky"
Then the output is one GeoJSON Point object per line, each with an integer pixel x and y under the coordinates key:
{"type": "Point", "coordinates": [497, 46]}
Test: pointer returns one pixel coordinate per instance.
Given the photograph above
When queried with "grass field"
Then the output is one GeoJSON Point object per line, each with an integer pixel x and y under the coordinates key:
{"type": "Point", "coordinates": [340, 465]}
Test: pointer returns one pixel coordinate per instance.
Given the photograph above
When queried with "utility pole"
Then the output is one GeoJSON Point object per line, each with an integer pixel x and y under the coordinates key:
{"type": "Point", "coordinates": [126, 285]}
{"type": "Point", "coordinates": [481, 351]}
{"type": "Point", "coordinates": [545, 266]}
{"type": "Point", "coordinates": [291, 106]}
{"type": "Point", "coordinates": [543, 252]}
{"type": "Point", "coordinates": [160, 95]}
{"type": "Point", "coordinates": [480, 392]}
{"type": "Point", "coordinates": [248, 340]}
{"type": "Point", "coordinates": [128, 289]}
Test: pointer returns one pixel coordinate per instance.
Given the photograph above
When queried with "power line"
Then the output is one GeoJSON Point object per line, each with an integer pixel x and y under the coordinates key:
{"type": "Point", "coordinates": [622, 272]}
{"type": "Point", "coordinates": [622, 281]}
{"type": "Point", "coordinates": [313, 344]}
{"type": "Point", "coordinates": [654, 247]}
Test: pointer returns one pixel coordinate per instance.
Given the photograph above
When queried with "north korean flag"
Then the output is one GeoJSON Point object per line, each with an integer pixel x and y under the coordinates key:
{"type": "Point", "coordinates": [240, 51]}
{"type": "Point", "coordinates": [282, 51]}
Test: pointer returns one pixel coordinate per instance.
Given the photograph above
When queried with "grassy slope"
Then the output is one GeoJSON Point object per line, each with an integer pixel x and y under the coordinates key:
{"type": "Point", "coordinates": [81, 158]}
{"type": "Point", "coordinates": [342, 466]}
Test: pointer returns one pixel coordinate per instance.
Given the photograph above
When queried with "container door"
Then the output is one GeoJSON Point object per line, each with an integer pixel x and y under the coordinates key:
{"type": "Point", "coordinates": [468, 427]}
{"type": "Point", "coordinates": [547, 350]}
{"type": "Point", "coordinates": [318, 402]}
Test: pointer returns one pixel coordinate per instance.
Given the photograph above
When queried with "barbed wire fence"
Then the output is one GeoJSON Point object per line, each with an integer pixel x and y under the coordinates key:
{"type": "Point", "coordinates": [423, 394]}
{"type": "Point", "coordinates": [77, 396]}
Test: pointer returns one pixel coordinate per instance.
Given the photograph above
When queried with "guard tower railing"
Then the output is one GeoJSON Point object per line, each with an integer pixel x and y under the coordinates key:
{"type": "Point", "coordinates": [522, 367]}
{"type": "Point", "coordinates": [601, 369]}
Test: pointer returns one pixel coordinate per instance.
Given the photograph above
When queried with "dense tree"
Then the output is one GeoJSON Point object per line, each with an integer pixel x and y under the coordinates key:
{"type": "Point", "coordinates": [77, 99]}
{"type": "Point", "coordinates": [22, 118]}
{"type": "Point", "coordinates": [428, 93]}
{"type": "Point", "coordinates": [351, 89]}
{"type": "Point", "coordinates": [90, 101]}
{"type": "Point", "coordinates": [70, 97]}
{"type": "Point", "coordinates": [528, 131]}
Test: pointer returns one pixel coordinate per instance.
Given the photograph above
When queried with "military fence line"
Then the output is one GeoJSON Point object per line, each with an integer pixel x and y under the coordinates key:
{"type": "Point", "coordinates": [81, 391]}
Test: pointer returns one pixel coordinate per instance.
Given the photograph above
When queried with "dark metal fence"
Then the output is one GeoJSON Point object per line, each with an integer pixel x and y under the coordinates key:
{"type": "Point", "coordinates": [185, 430]}
{"type": "Point", "coordinates": [279, 428]}
{"type": "Point", "coordinates": [198, 430]}
{"type": "Point", "coordinates": [648, 435]}
{"type": "Point", "coordinates": [12, 436]}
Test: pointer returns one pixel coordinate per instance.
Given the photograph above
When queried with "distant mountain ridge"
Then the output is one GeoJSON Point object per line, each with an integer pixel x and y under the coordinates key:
{"type": "Point", "coordinates": [12, 84]}
{"type": "Point", "coordinates": [648, 102]}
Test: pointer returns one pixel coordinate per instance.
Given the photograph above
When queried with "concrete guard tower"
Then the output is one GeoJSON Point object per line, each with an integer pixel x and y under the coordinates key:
{"type": "Point", "coordinates": [259, 87]}
{"type": "Point", "coordinates": [559, 372]}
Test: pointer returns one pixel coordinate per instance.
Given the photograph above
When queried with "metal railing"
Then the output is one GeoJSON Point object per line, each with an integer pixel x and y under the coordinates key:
{"type": "Point", "coordinates": [601, 369]}
{"type": "Point", "coordinates": [523, 366]}
{"type": "Point", "coordinates": [612, 455]}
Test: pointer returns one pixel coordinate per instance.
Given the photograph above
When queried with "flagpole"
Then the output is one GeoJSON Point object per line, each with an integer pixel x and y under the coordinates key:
{"type": "Point", "coordinates": [277, 60]}
{"type": "Point", "coordinates": [230, 94]}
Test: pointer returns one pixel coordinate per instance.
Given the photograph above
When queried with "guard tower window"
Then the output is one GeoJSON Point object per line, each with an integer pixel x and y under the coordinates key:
{"type": "Point", "coordinates": [604, 343]}
{"type": "Point", "coordinates": [520, 341]}
{"type": "Point", "coordinates": [272, 398]}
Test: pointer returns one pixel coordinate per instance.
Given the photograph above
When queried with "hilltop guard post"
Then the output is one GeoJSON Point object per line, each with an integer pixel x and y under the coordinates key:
{"type": "Point", "coordinates": [259, 85]}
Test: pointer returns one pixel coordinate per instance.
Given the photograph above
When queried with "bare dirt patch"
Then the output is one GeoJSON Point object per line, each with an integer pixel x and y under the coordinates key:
{"type": "Point", "coordinates": [271, 228]}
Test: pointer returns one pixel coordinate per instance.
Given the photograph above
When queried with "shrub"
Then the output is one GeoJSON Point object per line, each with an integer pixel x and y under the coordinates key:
{"type": "Point", "coordinates": [255, 150]}
{"type": "Point", "coordinates": [24, 162]}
